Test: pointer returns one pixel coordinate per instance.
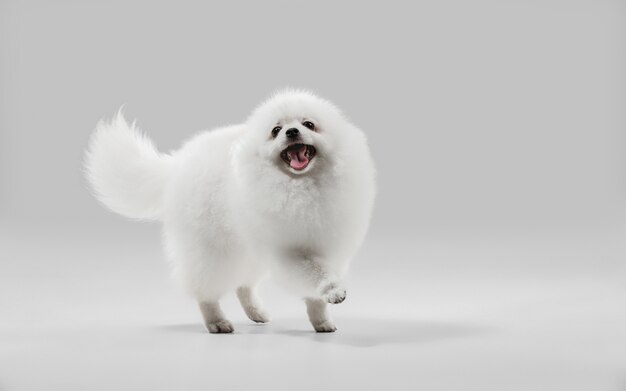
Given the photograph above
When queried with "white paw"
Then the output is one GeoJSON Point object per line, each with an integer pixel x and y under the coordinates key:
{"type": "Point", "coordinates": [257, 314]}
{"type": "Point", "coordinates": [334, 293]}
{"type": "Point", "coordinates": [325, 327]}
{"type": "Point", "coordinates": [220, 327]}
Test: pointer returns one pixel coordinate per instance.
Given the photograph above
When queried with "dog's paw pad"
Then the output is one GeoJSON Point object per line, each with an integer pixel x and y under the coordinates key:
{"type": "Point", "coordinates": [258, 315]}
{"type": "Point", "coordinates": [325, 327]}
{"type": "Point", "coordinates": [335, 295]}
{"type": "Point", "coordinates": [220, 327]}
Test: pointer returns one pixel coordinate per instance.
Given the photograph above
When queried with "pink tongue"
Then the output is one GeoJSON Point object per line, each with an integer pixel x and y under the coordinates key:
{"type": "Point", "coordinates": [297, 159]}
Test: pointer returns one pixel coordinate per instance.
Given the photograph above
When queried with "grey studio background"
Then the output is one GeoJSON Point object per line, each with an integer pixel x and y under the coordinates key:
{"type": "Point", "coordinates": [495, 259]}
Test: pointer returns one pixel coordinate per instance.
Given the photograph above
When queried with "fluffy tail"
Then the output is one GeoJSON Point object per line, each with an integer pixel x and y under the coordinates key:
{"type": "Point", "coordinates": [127, 173]}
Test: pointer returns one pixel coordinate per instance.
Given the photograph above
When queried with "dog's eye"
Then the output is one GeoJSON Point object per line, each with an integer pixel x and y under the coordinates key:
{"type": "Point", "coordinates": [309, 125]}
{"type": "Point", "coordinates": [275, 131]}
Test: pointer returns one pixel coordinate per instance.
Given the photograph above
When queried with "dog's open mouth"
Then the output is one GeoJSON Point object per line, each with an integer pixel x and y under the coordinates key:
{"type": "Point", "coordinates": [298, 156]}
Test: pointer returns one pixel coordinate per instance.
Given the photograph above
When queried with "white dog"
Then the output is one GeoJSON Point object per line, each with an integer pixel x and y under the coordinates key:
{"type": "Point", "coordinates": [289, 193]}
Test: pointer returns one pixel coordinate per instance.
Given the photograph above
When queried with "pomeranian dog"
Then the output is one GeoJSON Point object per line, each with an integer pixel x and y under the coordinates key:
{"type": "Point", "coordinates": [288, 193]}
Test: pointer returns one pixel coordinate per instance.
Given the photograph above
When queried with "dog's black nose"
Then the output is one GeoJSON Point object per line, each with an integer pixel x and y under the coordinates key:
{"type": "Point", "coordinates": [292, 133]}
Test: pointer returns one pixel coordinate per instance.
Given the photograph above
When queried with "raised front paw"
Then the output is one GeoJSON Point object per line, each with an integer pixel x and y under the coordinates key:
{"type": "Point", "coordinates": [333, 293]}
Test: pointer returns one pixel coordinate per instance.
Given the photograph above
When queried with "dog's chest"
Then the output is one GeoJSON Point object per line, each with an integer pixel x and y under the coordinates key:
{"type": "Point", "coordinates": [302, 209]}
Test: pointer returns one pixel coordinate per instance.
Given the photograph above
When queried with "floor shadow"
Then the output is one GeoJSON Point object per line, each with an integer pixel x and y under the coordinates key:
{"type": "Point", "coordinates": [192, 328]}
{"type": "Point", "coordinates": [359, 332]}
{"type": "Point", "coordinates": [198, 328]}
{"type": "Point", "coordinates": [367, 332]}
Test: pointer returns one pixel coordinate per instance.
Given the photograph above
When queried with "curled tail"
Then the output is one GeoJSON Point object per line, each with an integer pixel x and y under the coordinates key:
{"type": "Point", "coordinates": [127, 173]}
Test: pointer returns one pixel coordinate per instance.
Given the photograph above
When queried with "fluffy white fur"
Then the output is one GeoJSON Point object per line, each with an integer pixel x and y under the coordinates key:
{"type": "Point", "coordinates": [233, 210]}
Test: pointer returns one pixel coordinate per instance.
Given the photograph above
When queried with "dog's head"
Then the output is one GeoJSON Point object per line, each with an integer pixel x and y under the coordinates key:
{"type": "Point", "coordinates": [297, 132]}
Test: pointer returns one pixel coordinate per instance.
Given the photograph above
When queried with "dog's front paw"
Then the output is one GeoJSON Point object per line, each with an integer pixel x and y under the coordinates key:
{"type": "Point", "coordinates": [325, 327]}
{"type": "Point", "coordinates": [220, 327]}
{"type": "Point", "coordinates": [333, 293]}
{"type": "Point", "coordinates": [335, 296]}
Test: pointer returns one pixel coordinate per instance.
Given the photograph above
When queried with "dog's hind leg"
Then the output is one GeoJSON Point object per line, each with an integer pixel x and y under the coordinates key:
{"type": "Point", "coordinates": [251, 304]}
{"type": "Point", "coordinates": [214, 319]}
